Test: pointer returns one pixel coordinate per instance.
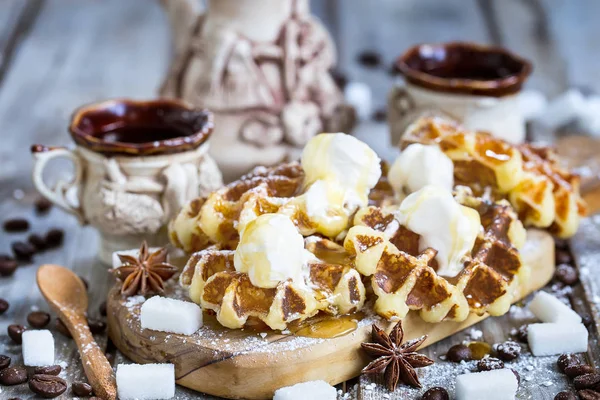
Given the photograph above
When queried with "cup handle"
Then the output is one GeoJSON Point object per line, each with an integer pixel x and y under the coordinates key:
{"type": "Point", "coordinates": [57, 195]}
{"type": "Point", "coordinates": [400, 106]}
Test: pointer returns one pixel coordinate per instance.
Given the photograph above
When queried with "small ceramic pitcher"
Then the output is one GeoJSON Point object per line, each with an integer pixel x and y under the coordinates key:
{"type": "Point", "coordinates": [474, 84]}
{"type": "Point", "coordinates": [136, 164]}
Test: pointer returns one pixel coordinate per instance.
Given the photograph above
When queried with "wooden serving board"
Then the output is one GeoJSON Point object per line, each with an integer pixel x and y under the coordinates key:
{"type": "Point", "coordinates": [242, 364]}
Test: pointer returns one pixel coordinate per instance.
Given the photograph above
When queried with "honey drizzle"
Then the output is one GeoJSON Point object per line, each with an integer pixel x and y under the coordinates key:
{"type": "Point", "coordinates": [326, 327]}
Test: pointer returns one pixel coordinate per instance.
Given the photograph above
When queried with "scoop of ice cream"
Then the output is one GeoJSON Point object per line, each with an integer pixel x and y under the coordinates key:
{"type": "Point", "coordinates": [444, 225]}
{"type": "Point", "coordinates": [344, 160]}
{"type": "Point", "coordinates": [418, 166]}
{"type": "Point", "coordinates": [271, 250]}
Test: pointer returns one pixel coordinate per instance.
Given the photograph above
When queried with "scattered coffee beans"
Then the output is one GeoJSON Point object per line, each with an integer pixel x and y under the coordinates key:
{"type": "Point", "coordinates": [23, 251]}
{"type": "Point", "coordinates": [62, 329]}
{"type": "Point", "coordinates": [565, 396]}
{"type": "Point", "coordinates": [47, 386]}
{"type": "Point", "coordinates": [436, 393]}
{"type": "Point", "coordinates": [42, 205]}
{"type": "Point", "coordinates": [49, 370]}
{"type": "Point", "coordinates": [13, 376]}
{"type": "Point", "coordinates": [588, 394]}
{"type": "Point", "coordinates": [37, 241]}
{"type": "Point", "coordinates": [81, 389]}
{"type": "Point", "coordinates": [16, 225]}
{"type": "Point", "coordinates": [508, 351]}
{"type": "Point", "coordinates": [566, 274]}
{"type": "Point", "coordinates": [564, 360]}
{"type": "Point", "coordinates": [458, 353]}
{"type": "Point", "coordinates": [102, 309]}
{"type": "Point", "coordinates": [369, 58]}
{"type": "Point", "coordinates": [8, 265]}
{"type": "Point", "coordinates": [54, 238]}
{"type": "Point", "coordinates": [96, 326]}
{"type": "Point", "coordinates": [38, 319]}
{"type": "Point", "coordinates": [573, 371]}
{"type": "Point", "coordinates": [15, 332]}
{"type": "Point", "coordinates": [4, 305]}
{"type": "Point", "coordinates": [587, 381]}
{"type": "Point", "coordinates": [4, 361]}
{"type": "Point", "coordinates": [489, 363]}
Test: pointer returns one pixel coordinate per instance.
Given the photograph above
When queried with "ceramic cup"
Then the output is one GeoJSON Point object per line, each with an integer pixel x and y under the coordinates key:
{"type": "Point", "coordinates": [474, 84]}
{"type": "Point", "coordinates": [136, 164]}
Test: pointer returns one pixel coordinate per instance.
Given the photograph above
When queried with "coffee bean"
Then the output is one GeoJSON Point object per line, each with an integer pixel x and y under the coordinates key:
{"type": "Point", "coordinates": [37, 241]}
{"type": "Point", "coordinates": [48, 370]}
{"type": "Point", "coordinates": [566, 274]}
{"type": "Point", "coordinates": [54, 238]}
{"type": "Point", "coordinates": [458, 353]}
{"type": "Point", "coordinates": [489, 363]}
{"type": "Point", "coordinates": [81, 389]}
{"type": "Point", "coordinates": [23, 251]}
{"type": "Point", "coordinates": [16, 225]}
{"type": "Point", "coordinates": [4, 361]}
{"type": "Point", "coordinates": [565, 396]}
{"type": "Point", "coordinates": [508, 351]}
{"type": "Point", "coordinates": [564, 360]}
{"type": "Point", "coordinates": [4, 305]}
{"type": "Point", "coordinates": [588, 394]}
{"type": "Point", "coordinates": [38, 319]}
{"type": "Point", "coordinates": [102, 309]}
{"type": "Point", "coordinates": [85, 282]}
{"type": "Point", "coordinates": [47, 386]}
{"type": "Point", "coordinates": [62, 329]}
{"type": "Point", "coordinates": [96, 326]}
{"type": "Point", "coordinates": [13, 376]}
{"type": "Point", "coordinates": [563, 257]}
{"type": "Point", "coordinates": [42, 205]}
{"type": "Point", "coordinates": [573, 371]}
{"type": "Point", "coordinates": [436, 393]}
{"type": "Point", "coordinates": [15, 332]}
{"type": "Point", "coordinates": [369, 58]}
{"type": "Point", "coordinates": [8, 265]}
{"type": "Point", "coordinates": [587, 381]}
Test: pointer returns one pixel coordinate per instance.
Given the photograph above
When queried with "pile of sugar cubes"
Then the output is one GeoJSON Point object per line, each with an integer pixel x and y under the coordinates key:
{"type": "Point", "coordinates": [144, 382]}
{"type": "Point", "coordinates": [561, 330]}
{"type": "Point", "coordinates": [38, 348]}
{"type": "Point", "coordinates": [307, 390]}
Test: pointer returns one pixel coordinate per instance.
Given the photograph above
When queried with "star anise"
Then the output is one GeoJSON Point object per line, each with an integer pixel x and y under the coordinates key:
{"type": "Point", "coordinates": [396, 360]}
{"type": "Point", "coordinates": [146, 273]}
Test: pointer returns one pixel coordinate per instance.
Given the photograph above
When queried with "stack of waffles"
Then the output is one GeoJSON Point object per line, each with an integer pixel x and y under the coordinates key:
{"type": "Point", "coordinates": [361, 240]}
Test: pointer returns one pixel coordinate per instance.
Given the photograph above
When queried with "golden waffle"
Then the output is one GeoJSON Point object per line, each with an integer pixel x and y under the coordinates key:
{"type": "Point", "coordinates": [404, 278]}
{"type": "Point", "coordinates": [213, 282]}
{"type": "Point", "coordinates": [544, 194]}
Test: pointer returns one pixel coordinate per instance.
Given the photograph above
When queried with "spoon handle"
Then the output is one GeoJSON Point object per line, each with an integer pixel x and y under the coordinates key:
{"type": "Point", "coordinates": [95, 364]}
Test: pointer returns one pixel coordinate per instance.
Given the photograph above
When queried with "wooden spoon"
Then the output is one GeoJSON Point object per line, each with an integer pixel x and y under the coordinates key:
{"type": "Point", "coordinates": [67, 296]}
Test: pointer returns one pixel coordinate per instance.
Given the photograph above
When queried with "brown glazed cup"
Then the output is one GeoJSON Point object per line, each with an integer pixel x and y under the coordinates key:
{"type": "Point", "coordinates": [473, 84]}
{"type": "Point", "coordinates": [136, 164]}
{"type": "Point", "coordinates": [467, 68]}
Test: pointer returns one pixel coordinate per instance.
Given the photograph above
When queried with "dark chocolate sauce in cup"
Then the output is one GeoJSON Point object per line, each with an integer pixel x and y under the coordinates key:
{"type": "Point", "coordinates": [141, 134]}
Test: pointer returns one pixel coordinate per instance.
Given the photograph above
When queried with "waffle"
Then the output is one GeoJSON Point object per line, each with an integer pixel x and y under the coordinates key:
{"type": "Point", "coordinates": [543, 194]}
{"type": "Point", "coordinates": [213, 282]}
{"type": "Point", "coordinates": [404, 278]}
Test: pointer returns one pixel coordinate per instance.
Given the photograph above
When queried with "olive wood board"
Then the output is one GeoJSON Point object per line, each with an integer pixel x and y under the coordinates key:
{"type": "Point", "coordinates": [242, 364]}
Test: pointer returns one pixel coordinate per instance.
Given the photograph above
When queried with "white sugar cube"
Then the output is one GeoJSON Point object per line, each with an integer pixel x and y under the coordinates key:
{"type": "Point", "coordinates": [170, 315]}
{"type": "Point", "coordinates": [38, 348]}
{"type": "Point", "coordinates": [116, 262]}
{"type": "Point", "coordinates": [531, 103]}
{"type": "Point", "coordinates": [307, 390]}
{"type": "Point", "coordinates": [358, 95]}
{"type": "Point", "coordinates": [557, 338]}
{"type": "Point", "coordinates": [565, 108]}
{"type": "Point", "coordinates": [148, 381]}
{"type": "Point", "coordinates": [548, 308]}
{"type": "Point", "coordinates": [498, 384]}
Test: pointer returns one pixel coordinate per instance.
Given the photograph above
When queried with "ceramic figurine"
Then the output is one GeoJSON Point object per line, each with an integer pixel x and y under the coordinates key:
{"type": "Point", "coordinates": [474, 84]}
{"type": "Point", "coordinates": [262, 67]}
{"type": "Point", "coordinates": [136, 164]}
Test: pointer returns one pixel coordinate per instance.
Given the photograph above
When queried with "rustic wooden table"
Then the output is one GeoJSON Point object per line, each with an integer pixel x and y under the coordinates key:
{"type": "Point", "coordinates": [58, 54]}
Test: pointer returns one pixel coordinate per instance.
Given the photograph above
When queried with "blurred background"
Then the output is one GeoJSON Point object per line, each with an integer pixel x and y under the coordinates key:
{"type": "Point", "coordinates": [58, 54]}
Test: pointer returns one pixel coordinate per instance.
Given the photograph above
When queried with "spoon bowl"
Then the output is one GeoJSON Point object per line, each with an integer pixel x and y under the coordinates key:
{"type": "Point", "coordinates": [63, 286]}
